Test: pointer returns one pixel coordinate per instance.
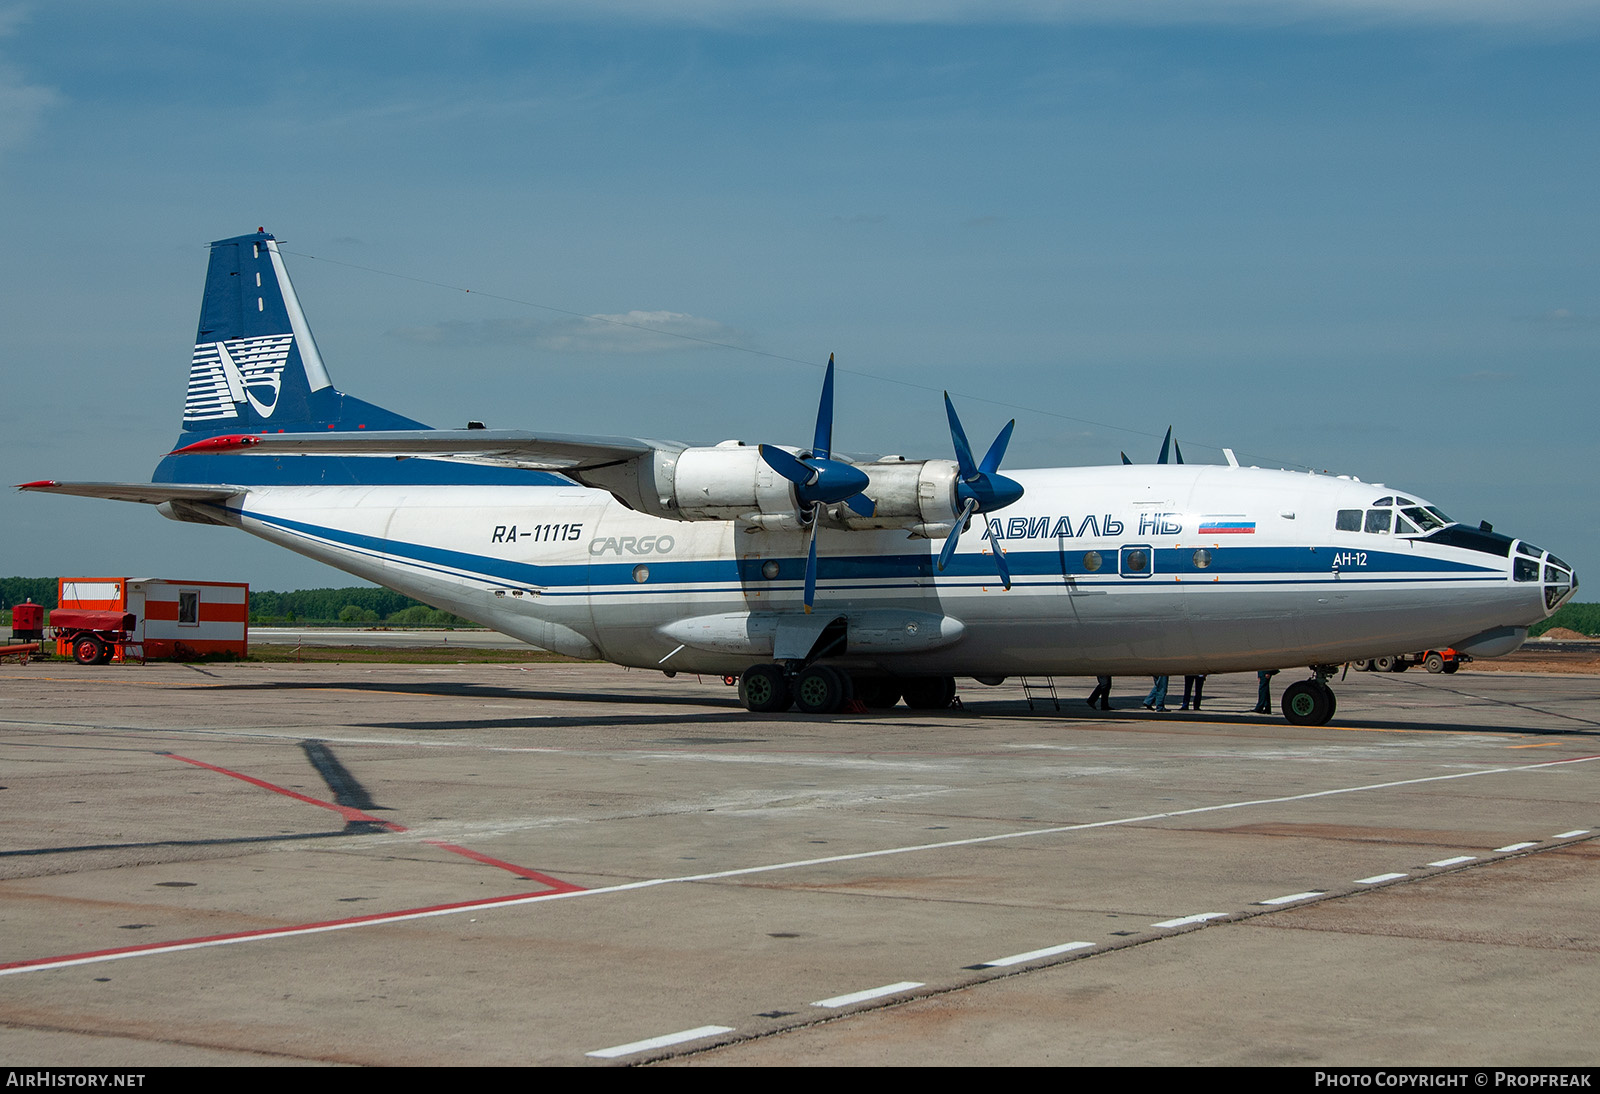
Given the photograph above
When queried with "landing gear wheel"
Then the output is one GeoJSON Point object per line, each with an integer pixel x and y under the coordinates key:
{"type": "Point", "coordinates": [820, 689]}
{"type": "Point", "coordinates": [1434, 663]}
{"type": "Point", "coordinates": [877, 692]}
{"type": "Point", "coordinates": [764, 689]}
{"type": "Point", "coordinates": [1308, 703]}
{"type": "Point", "coordinates": [929, 692]}
{"type": "Point", "coordinates": [87, 650]}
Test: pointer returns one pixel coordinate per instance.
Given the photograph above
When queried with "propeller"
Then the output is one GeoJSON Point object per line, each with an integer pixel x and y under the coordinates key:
{"type": "Point", "coordinates": [820, 480]}
{"type": "Point", "coordinates": [1178, 452]}
{"type": "Point", "coordinates": [979, 486]}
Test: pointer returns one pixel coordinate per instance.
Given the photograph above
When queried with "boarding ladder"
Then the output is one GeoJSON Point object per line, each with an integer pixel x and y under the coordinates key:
{"type": "Point", "coordinates": [1040, 690]}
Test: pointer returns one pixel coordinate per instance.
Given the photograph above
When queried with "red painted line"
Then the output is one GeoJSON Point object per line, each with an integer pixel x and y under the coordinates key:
{"type": "Point", "coordinates": [276, 932]}
{"type": "Point", "coordinates": [521, 871]}
{"type": "Point", "coordinates": [352, 814]}
{"type": "Point", "coordinates": [349, 813]}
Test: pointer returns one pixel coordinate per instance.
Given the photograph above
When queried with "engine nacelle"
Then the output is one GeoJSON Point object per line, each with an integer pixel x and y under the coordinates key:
{"type": "Point", "coordinates": [731, 481]}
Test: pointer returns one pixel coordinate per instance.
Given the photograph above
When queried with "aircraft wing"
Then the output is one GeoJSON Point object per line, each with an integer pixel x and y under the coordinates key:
{"type": "Point", "coordinates": [535, 451]}
{"type": "Point", "coordinates": [150, 493]}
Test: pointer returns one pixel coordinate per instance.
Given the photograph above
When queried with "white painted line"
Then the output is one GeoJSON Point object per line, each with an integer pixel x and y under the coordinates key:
{"type": "Point", "coordinates": [1379, 879]}
{"type": "Point", "coordinates": [1457, 861]}
{"type": "Point", "coordinates": [1188, 919]}
{"type": "Point", "coordinates": [870, 993]}
{"type": "Point", "coordinates": [1034, 955]}
{"type": "Point", "coordinates": [40, 964]}
{"type": "Point", "coordinates": [659, 1042]}
{"type": "Point", "coordinates": [1569, 835]}
{"type": "Point", "coordinates": [1518, 846]}
{"type": "Point", "coordinates": [1292, 897]}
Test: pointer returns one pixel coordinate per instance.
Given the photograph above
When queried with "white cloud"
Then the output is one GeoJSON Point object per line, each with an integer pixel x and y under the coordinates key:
{"type": "Point", "coordinates": [628, 333]}
{"type": "Point", "coordinates": [21, 104]}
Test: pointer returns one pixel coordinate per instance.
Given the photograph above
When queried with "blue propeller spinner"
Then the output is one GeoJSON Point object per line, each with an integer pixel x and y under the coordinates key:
{"type": "Point", "coordinates": [820, 480]}
{"type": "Point", "coordinates": [979, 486]}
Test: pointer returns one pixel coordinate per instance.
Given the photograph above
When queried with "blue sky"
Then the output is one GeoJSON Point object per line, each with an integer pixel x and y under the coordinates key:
{"type": "Point", "coordinates": [1354, 235]}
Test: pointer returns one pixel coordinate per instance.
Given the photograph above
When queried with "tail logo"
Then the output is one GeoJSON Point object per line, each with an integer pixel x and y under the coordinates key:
{"type": "Point", "coordinates": [223, 375]}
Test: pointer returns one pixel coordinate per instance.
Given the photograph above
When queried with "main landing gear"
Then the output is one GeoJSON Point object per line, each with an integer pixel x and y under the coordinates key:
{"type": "Point", "coordinates": [1310, 702]}
{"type": "Point", "coordinates": [823, 689]}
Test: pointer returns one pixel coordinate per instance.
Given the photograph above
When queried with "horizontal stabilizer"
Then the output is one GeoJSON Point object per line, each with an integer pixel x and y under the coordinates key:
{"type": "Point", "coordinates": [150, 493]}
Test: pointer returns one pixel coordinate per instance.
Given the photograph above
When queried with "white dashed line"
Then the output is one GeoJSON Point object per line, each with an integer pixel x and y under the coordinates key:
{"type": "Point", "coordinates": [1378, 879]}
{"type": "Point", "coordinates": [1517, 846]}
{"type": "Point", "coordinates": [1292, 897]}
{"type": "Point", "coordinates": [1034, 955]}
{"type": "Point", "coordinates": [1569, 835]}
{"type": "Point", "coordinates": [870, 993]}
{"type": "Point", "coordinates": [1457, 861]}
{"type": "Point", "coordinates": [1188, 919]}
{"type": "Point", "coordinates": [659, 1042]}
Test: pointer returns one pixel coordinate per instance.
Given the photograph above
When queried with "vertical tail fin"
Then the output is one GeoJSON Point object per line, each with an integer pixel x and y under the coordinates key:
{"type": "Point", "coordinates": [256, 367]}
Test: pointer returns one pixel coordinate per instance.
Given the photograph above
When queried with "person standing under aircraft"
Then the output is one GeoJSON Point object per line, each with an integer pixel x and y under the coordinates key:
{"type": "Point", "coordinates": [1196, 684]}
{"type": "Point", "coordinates": [1264, 695]}
{"type": "Point", "coordinates": [1101, 693]}
{"type": "Point", "coordinates": [1157, 699]}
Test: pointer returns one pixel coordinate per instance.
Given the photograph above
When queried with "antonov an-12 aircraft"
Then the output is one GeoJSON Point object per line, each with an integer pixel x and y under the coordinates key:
{"type": "Point", "coordinates": [809, 577]}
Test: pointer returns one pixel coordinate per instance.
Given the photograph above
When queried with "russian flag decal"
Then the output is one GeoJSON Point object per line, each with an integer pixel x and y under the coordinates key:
{"type": "Point", "coordinates": [1220, 526]}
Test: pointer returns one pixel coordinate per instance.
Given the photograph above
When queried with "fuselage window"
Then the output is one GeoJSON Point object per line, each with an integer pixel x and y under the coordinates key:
{"type": "Point", "coordinates": [1135, 562]}
{"type": "Point", "coordinates": [1349, 520]}
{"type": "Point", "coordinates": [1202, 559]}
{"type": "Point", "coordinates": [1378, 521]}
{"type": "Point", "coordinates": [1092, 561]}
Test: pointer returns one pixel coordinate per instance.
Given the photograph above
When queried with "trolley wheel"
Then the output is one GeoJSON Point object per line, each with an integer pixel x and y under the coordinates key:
{"type": "Point", "coordinates": [88, 650]}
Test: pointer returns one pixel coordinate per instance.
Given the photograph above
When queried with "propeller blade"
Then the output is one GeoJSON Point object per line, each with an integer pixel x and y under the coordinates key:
{"type": "Point", "coordinates": [861, 505]}
{"type": "Point", "coordinates": [969, 469]}
{"type": "Point", "coordinates": [955, 532]}
{"type": "Point", "coordinates": [1177, 453]}
{"type": "Point", "coordinates": [1125, 459]}
{"type": "Point", "coordinates": [788, 466]}
{"type": "Point", "coordinates": [822, 440]}
{"type": "Point", "coordinates": [1000, 564]}
{"type": "Point", "coordinates": [1165, 445]}
{"type": "Point", "coordinates": [811, 559]}
{"type": "Point", "coordinates": [997, 450]}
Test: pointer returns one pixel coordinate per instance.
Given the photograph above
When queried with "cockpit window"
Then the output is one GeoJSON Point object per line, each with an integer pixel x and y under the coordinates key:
{"type": "Point", "coordinates": [1530, 550]}
{"type": "Point", "coordinates": [1436, 511]}
{"type": "Point", "coordinates": [1525, 569]}
{"type": "Point", "coordinates": [1424, 519]}
{"type": "Point", "coordinates": [1558, 562]}
{"type": "Point", "coordinates": [1403, 501]}
{"type": "Point", "coordinates": [1384, 501]}
{"type": "Point", "coordinates": [1349, 520]}
{"type": "Point", "coordinates": [1378, 520]}
{"type": "Point", "coordinates": [1402, 526]}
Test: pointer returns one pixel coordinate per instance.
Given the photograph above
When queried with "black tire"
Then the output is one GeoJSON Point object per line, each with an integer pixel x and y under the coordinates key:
{"type": "Point", "coordinates": [1364, 665]}
{"type": "Point", "coordinates": [929, 692]}
{"type": "Point", "coordinates": [1400, 664]}
{"type": "Point", "coordinates": [1434, 663]}
{"type": "Point", "coordinates": [877, 692]}
{"type": "Point", "coordinates": [1451, 666]}
{"type": "Point", "coordinates": [820, 689]}
{"type": "Point", "coordinates": [1308, 703]}
{"type": "Point", "coordinates": [1383, 664]}
{"type": "Point", "coordinates": [764, 689]}
{"type": "Point", "coordinates": [88, 650]}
